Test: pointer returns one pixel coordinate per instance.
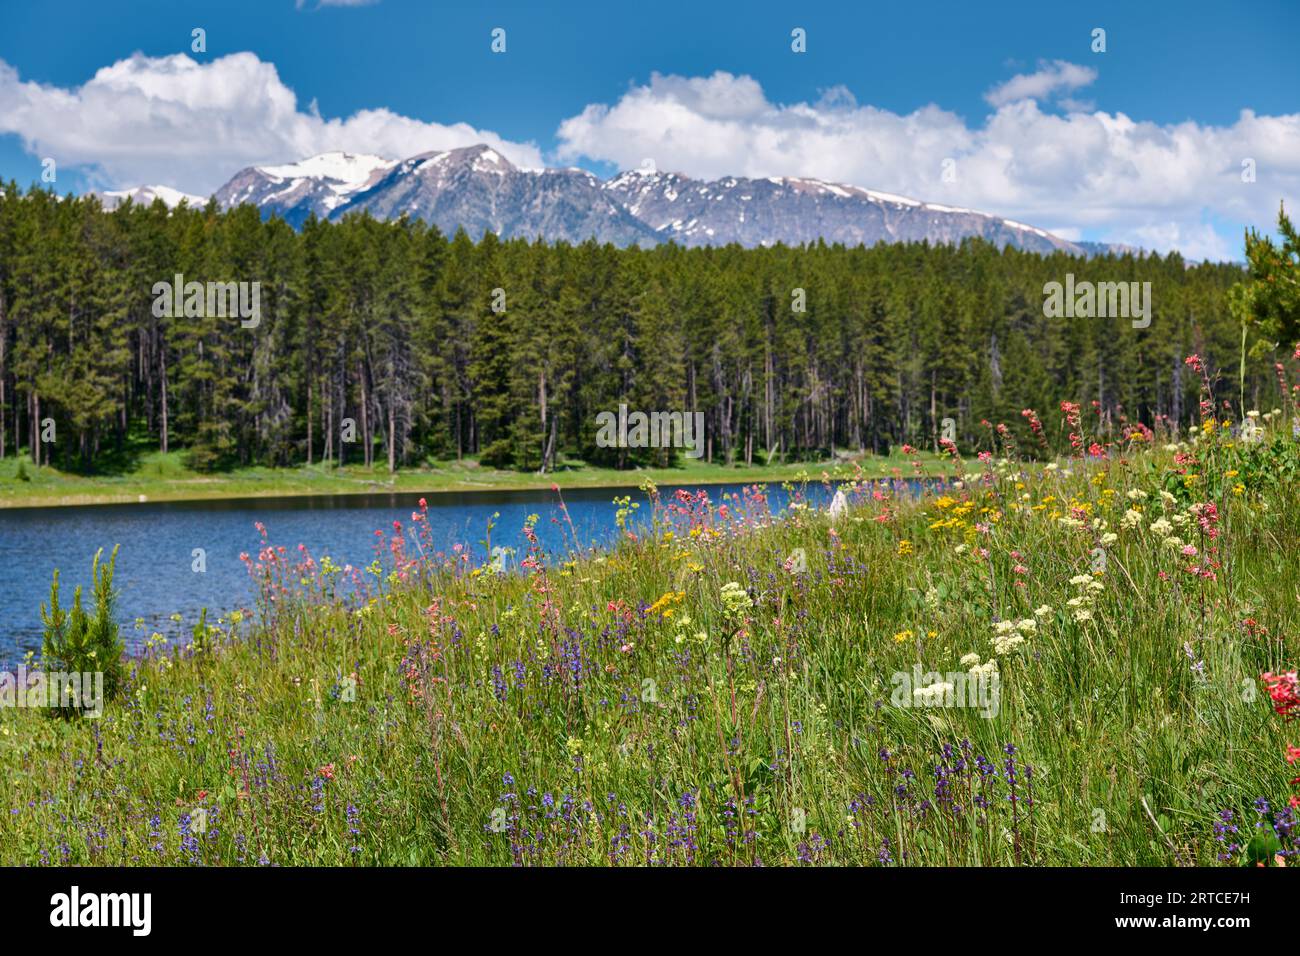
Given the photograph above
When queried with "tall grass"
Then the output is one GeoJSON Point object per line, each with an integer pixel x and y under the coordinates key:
{"type": "Point", "coordinates": [706, 694]}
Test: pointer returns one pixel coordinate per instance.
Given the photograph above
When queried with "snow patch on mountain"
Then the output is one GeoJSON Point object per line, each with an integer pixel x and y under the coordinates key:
{"type": "Point", "coordinates": [145, 195]}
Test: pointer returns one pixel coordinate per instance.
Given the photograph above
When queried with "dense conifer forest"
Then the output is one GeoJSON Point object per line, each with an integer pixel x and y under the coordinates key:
{"type": "Point", "coordinates": [424, 346]}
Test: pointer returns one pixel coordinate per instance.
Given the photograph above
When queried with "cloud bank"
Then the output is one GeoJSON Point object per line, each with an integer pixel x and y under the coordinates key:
{"type": "Point", "coordinates": [1054, 165]}
{"type": "Point", "coordinates": [176, 122]}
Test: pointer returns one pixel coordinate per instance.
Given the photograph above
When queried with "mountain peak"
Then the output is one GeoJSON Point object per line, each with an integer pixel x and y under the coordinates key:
{"type": "Point", "coordinates": [481, 158]}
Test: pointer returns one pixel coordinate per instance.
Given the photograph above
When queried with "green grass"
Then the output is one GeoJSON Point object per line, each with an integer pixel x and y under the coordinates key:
{"type": "Point", "coordinates": [701, 730]}
{"type": "Point", "coordinates": [154, 476]}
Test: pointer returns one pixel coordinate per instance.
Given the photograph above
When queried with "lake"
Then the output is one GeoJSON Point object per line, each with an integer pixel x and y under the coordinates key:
{"type": "Point", "coordinates": [155, 577]}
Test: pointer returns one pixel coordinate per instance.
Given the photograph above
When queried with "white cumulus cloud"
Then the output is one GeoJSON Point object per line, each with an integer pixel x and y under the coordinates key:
{"type": "Point", "coordinates": [1050, 78]}
{"type": "Point", "coordinates": [176, 122]}
{"type": "Point", "coordinates": [1161, 186]}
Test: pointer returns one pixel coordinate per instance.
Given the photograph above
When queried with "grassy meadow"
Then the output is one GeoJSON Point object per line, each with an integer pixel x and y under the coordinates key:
{"type": "Point", "coordinates": [731, 687]}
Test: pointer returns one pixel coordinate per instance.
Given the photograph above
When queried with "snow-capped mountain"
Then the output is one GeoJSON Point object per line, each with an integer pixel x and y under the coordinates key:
{"type": "Point", "coordinates": [761, 212]}
{"type": "Point", "coordinates": [319, 184]}
{"type": "Point", "coordinates": [478, 189]}
{"type": "Point", "coordinates": [145, 195]}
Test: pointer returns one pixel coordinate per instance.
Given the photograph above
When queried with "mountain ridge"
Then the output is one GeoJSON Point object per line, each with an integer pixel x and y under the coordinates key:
{"type": "Point", "coordinates": [477, 189]}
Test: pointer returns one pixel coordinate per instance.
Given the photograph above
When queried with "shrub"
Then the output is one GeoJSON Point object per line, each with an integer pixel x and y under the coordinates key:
{"type": "Point", "coordinates": [77, 642]}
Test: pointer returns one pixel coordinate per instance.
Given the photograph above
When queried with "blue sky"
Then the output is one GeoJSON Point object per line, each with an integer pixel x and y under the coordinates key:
{"type": "Point", "coordinates": [1140, 143]}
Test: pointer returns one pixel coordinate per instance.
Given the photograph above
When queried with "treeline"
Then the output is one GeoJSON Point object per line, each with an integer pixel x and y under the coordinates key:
{"type": "Point", "coordinates": [418, 346]}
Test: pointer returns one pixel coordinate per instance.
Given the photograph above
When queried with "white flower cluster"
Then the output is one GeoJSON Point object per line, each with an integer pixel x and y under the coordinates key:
{"type": "Point", "coordinates": [1164, 530]}
{"type": "Point", "coordinates": [1082, 602]}
{"type": "Point", "coordinates": [1009, 635]}
{"type": "Point", "coordinates": [937, 693]}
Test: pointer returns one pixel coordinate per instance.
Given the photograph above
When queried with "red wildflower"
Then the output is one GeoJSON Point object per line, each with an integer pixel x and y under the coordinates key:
{"type": "Point", "coordinates": [1284, 692]}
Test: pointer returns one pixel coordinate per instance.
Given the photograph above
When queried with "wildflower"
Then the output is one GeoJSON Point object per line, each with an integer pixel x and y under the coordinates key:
{"type": "Point", "coordinates": [1284, 690]}
{"type": "Point", "coordinates": [735, 599]}
{"type": "Point", "coordinates": [935, 694]}
{"type": "Point", "coordinates": [1005, 644]}
{"type": "Point", "coordinates": [662, 606]}
{"type": "Point", "coordinates": [903, 636]}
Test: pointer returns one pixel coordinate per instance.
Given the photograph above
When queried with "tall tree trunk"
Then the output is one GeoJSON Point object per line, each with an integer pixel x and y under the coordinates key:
{"type": "Point", "coordinates": [365, 416]}
{"type": "Point", "coordinates": [541, 401]}
{"type": "Point", "coordinates": [36, 428]}
{"type": "Point", "coordinates": [163, 382]}
{"type": "Point", "coordinates": [550, 449]}
{"type": "Point", "coordinates": [392, 438]}
{"type": "Point", "coordinates": [328, 394]}
{"type": "Point", "coordinates": [309, 401]}
{"type": "Point", "coordinates": [934, 414]}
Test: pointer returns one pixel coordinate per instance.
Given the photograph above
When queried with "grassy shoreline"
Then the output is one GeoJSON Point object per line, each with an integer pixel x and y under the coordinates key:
{"type": "Point", "coordinates": [158, 477]}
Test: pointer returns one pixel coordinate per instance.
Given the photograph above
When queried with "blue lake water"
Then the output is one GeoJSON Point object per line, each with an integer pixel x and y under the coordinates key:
{"type": "Point", "coordinates": [155, 576]}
